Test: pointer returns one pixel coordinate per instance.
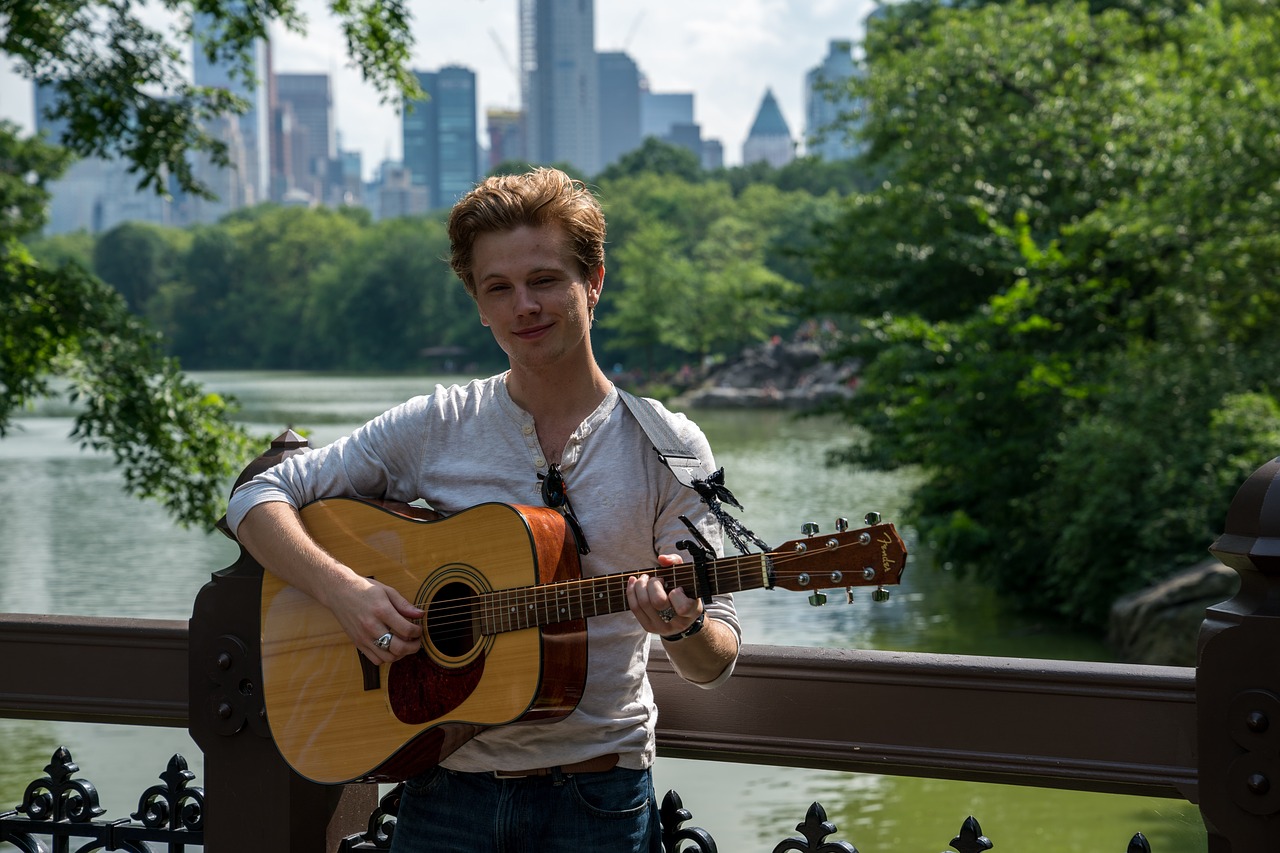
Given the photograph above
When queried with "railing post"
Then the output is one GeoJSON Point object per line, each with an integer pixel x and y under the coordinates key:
{"type": "Point", "coordinates": [254, 801]}
{"type": "Point", "coordinates": [1238, 679]}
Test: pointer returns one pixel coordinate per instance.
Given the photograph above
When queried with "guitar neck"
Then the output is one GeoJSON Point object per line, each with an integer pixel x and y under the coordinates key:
{"type": "Point", "coordinates": [565, 601]}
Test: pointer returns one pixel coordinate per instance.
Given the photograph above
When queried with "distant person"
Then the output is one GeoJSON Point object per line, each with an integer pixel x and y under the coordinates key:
{"type": "Point", "coordinates": [530, 250]}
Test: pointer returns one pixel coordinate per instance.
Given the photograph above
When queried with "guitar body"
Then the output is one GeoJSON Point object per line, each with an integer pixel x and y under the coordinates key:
{"type": "Point", "coordinates": [337, 718]}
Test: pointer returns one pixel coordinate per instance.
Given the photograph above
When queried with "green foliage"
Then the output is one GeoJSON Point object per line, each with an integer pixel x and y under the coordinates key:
{"type": "Point", "coordinates": [690, 276]}
{"type": "Point", "coordinates": [58, 249]}
{"type": "Point", "coordinates": [172, 441]}
{"type": "Point", "coordinates": [812, 175]}
{"type": "Point", "coordinates": [655, 157]}
{"type": "Point", "coordinates": [26, 168]}
{"type": "Point", "coordinates": [123, 82]}
{"type": "Point", "coordinates": [123, 91]}
{"type": "Point", "coordinates": [138, 259]}
{"type": "Point", "coordinates": [1064, 288]}
{"type": "Point", "coordinates": [647, 311]}
{"type": "Point", "coordinates": [388, 299]}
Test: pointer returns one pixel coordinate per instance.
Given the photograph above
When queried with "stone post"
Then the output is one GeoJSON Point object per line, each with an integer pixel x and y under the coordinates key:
{"type": "Point", "coordinates": [1238, 679]}
{"type": "Point", "coordinates": [254, 800]}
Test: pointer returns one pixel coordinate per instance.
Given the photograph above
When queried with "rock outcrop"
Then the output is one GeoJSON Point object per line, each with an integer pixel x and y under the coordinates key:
{"type": "Point", "coordinates": [774, 375]}
{"type": "Point", "coordinates": [1160, 624]}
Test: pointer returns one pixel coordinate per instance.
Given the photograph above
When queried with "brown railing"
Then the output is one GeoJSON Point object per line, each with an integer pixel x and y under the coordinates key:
{"type": "Point", "coordinates": [1209, 735]}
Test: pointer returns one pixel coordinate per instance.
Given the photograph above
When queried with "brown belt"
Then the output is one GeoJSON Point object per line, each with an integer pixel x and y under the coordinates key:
{"type": "Point", "coordinates": [599, 764]}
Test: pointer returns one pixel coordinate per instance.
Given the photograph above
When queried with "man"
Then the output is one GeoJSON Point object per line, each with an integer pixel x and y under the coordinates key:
{"type": "Point", "coordinates": [530, 251]}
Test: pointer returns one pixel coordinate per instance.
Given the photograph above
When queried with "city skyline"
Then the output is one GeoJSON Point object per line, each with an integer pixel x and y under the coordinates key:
{"type": "Point", "coordinates": [726, 53]}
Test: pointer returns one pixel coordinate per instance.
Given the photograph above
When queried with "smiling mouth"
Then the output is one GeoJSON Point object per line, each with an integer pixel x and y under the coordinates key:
{"type": "Point", "coordinates": [531, 332]}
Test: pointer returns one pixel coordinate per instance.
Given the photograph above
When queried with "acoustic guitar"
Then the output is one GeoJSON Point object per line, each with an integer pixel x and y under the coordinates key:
{"type": "Point", "coordinates": [504, 635]}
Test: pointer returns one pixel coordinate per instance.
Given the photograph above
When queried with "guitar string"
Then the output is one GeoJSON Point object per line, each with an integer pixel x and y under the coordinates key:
{"type": "Point", "coordinates": [461, 612]}
{"type": "Point", "coordinates": [545, 594]}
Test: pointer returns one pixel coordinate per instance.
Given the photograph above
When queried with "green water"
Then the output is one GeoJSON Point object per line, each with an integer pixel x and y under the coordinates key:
{"type": "Point", "coordinates": [73, 543]}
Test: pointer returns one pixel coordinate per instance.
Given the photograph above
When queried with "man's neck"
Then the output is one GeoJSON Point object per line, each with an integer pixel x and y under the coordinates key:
{"type": "Point", "coordinates": [557, 395]}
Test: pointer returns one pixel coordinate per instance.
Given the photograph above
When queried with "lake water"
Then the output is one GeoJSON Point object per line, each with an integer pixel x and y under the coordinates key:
{"type": "Point", "coordinates": [74, 543]}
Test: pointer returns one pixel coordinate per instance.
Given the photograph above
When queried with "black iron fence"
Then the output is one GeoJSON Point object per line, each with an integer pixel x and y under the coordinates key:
{"type": "Point", "coordinates": [65, 810]}
{"type": "Point", "coordinates": [1209, 735]}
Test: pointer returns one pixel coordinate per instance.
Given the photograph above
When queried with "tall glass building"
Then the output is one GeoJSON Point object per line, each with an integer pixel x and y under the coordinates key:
{"type": "Point", "coordinates": [307, 101]}
{"type": "Point", "coordinates": [828, 106]}
{"type": "Point", "coordinates": [251, 126]}
{"type": "Point", "coordinates": [619, 106]}
{"type": "Point", "coordinates": [441, 150]}
{"type": "Point", "coordinates": [559, 83]}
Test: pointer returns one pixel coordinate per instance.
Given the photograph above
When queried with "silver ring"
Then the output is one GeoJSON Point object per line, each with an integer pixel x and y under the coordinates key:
{"type": "Point", "coordinates": [383, 642]}
{"type": "Point", "coordinates": [667, 615]}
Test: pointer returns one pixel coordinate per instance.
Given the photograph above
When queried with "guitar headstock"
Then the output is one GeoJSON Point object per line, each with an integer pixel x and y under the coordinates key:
{"type": "Point", "coordinates": [874, 555]}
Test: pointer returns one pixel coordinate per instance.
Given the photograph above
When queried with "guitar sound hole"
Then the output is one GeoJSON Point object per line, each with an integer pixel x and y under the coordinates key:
{"type": "Point", "coordinates": [449, 623]}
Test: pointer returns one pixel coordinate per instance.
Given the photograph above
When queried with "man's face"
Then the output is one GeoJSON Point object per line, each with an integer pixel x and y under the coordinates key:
{"type": "Point", "coordinates": [533, 294]}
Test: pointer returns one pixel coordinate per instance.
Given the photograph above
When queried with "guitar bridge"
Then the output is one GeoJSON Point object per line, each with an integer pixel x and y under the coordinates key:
{"type": "Point", "coordinates": [372, 674]}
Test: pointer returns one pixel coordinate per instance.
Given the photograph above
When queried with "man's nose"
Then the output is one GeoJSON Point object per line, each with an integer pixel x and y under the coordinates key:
{"type": "Point", "coordinates": [526, 300]}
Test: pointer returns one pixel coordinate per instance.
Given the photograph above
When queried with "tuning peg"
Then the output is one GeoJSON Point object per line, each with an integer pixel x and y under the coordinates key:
{"type": "Point", "coordinates": [880, 595]}
{"type": "Point", "coordinates": [809, 528]}
{"type": "Point", "coordinates": [818, 599]}
{"type": "Point", "coordinates": [872, 518]}
{"type": "Point", "coordinates": [848, 595]}
{"type": "Point", "coordinates": [842, 524]}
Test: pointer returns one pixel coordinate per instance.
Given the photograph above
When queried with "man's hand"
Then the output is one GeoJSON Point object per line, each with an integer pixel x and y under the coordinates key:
{"type": "Point", "coordinates": [658, 611]}
{"type": "Point", "coordinates": [367, 610]}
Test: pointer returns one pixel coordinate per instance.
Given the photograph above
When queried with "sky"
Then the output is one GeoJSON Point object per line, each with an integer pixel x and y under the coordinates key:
{"type": "Point", "coordinates": [727, 52]}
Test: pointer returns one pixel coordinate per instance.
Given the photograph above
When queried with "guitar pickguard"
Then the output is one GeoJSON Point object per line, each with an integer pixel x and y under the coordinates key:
{"type": "Point", "coordinates": [420, 690]}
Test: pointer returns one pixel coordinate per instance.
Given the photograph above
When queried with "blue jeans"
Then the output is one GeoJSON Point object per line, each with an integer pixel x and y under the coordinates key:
{"type": "Point", "coordinates": [443, 811]}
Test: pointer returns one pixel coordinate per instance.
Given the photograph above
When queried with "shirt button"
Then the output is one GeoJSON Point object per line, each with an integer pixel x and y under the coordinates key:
{"type": "Point", "coordinates": [540, 462]}
{"type": "Point", "coordinates": [527, 429]}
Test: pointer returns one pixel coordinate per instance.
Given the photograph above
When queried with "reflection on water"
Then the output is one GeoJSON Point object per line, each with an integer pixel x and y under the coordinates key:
{"type": "Point", "coordinates": [74, 543]}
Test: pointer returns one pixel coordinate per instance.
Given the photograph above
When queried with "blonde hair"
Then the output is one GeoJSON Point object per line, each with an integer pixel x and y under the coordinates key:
{"type": "Point", "coordinates": [537, 198]}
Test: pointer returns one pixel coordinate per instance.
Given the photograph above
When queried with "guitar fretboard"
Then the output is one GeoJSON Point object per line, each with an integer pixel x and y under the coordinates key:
{"type": "Point", "coordinates": [565, 601]}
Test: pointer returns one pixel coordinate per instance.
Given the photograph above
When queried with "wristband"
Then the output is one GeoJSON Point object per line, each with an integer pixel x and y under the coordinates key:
{"type": "Point", "coordinates": [687, 632]}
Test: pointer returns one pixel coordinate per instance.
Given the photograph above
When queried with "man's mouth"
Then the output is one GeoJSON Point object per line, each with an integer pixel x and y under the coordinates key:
{"type": "Point", "coordinates": [532, 331]}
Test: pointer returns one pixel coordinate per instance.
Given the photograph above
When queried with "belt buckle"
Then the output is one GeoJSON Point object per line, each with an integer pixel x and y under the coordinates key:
{"type": "Point", "coordinates": [517, 774]}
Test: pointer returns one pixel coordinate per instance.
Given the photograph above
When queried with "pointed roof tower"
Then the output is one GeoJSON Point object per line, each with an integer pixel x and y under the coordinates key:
{"type": "Point", "coordinates": [769, 120]}
{"type": "Point", "coordinates": [770, 138]}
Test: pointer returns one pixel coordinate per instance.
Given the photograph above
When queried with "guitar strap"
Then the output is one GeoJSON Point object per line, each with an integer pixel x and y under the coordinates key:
{"type": "Point", "coordinates": [675, 454]}
{"type": "Point", "coordinates": [689, 470]}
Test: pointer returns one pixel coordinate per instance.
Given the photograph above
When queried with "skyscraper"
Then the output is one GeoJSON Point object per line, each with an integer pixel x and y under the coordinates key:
{"type": "Point", "coordinates": [305, 104]}
{"type": "Point", "coordinates": [251, 128]}
{"type": "Point", "coordinates": [828, 104]}
{"type": "Point", "coordinates": [770, 138]}
{"type": "Point", "coordinates": [441, 151]}
{"type": "Point", "coordinates": [619, 106]}
{"type": "Point", "coordinates": [506, 135]}
{"type": "Point", "coordinates": [662, 111]}
{"type": "Point", "coordinates": [94, 194]}
{"type": "Point", "coordinates": [559, 83]}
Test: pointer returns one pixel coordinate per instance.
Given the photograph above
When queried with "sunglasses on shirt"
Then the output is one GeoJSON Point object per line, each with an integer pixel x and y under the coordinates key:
{"type": "Point", "coordinates": [556, 496]}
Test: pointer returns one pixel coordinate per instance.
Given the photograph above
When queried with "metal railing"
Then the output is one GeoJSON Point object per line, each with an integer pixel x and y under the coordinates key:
{"type": "Point", "coordinates": [1209, 735]}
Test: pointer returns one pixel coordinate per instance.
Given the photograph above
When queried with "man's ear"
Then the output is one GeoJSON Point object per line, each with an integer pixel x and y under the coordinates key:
{"type": "Point", "coordinates": [595, 284]}
{"type": "Point", "coordinates": [484, 321]}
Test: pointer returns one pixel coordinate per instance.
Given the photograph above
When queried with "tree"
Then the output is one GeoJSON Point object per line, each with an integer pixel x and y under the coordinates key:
{"type": "Point", "coordinates": [655, 157]}
{"type": "Point", "coordinates": [279, 252]}
{"type": "Point", "coordinates": [58, 249]}
{"type": "Point", "coordinates": [738, 300]}
{"type": "Point", "coordinates": [650, 310]}
{"type": "Point", "coordinates": [138, 259]}
{"type": "Point", "coordinates": [173, 441]}
{"type": "Point", "coordinates": [389, 299]}
{"type": "Point", "coordinates": [122, 84]}
{"type": "Point", "coordinates": [123, 93]}
{"type": "Point", "coordinates": [1064, 292]}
